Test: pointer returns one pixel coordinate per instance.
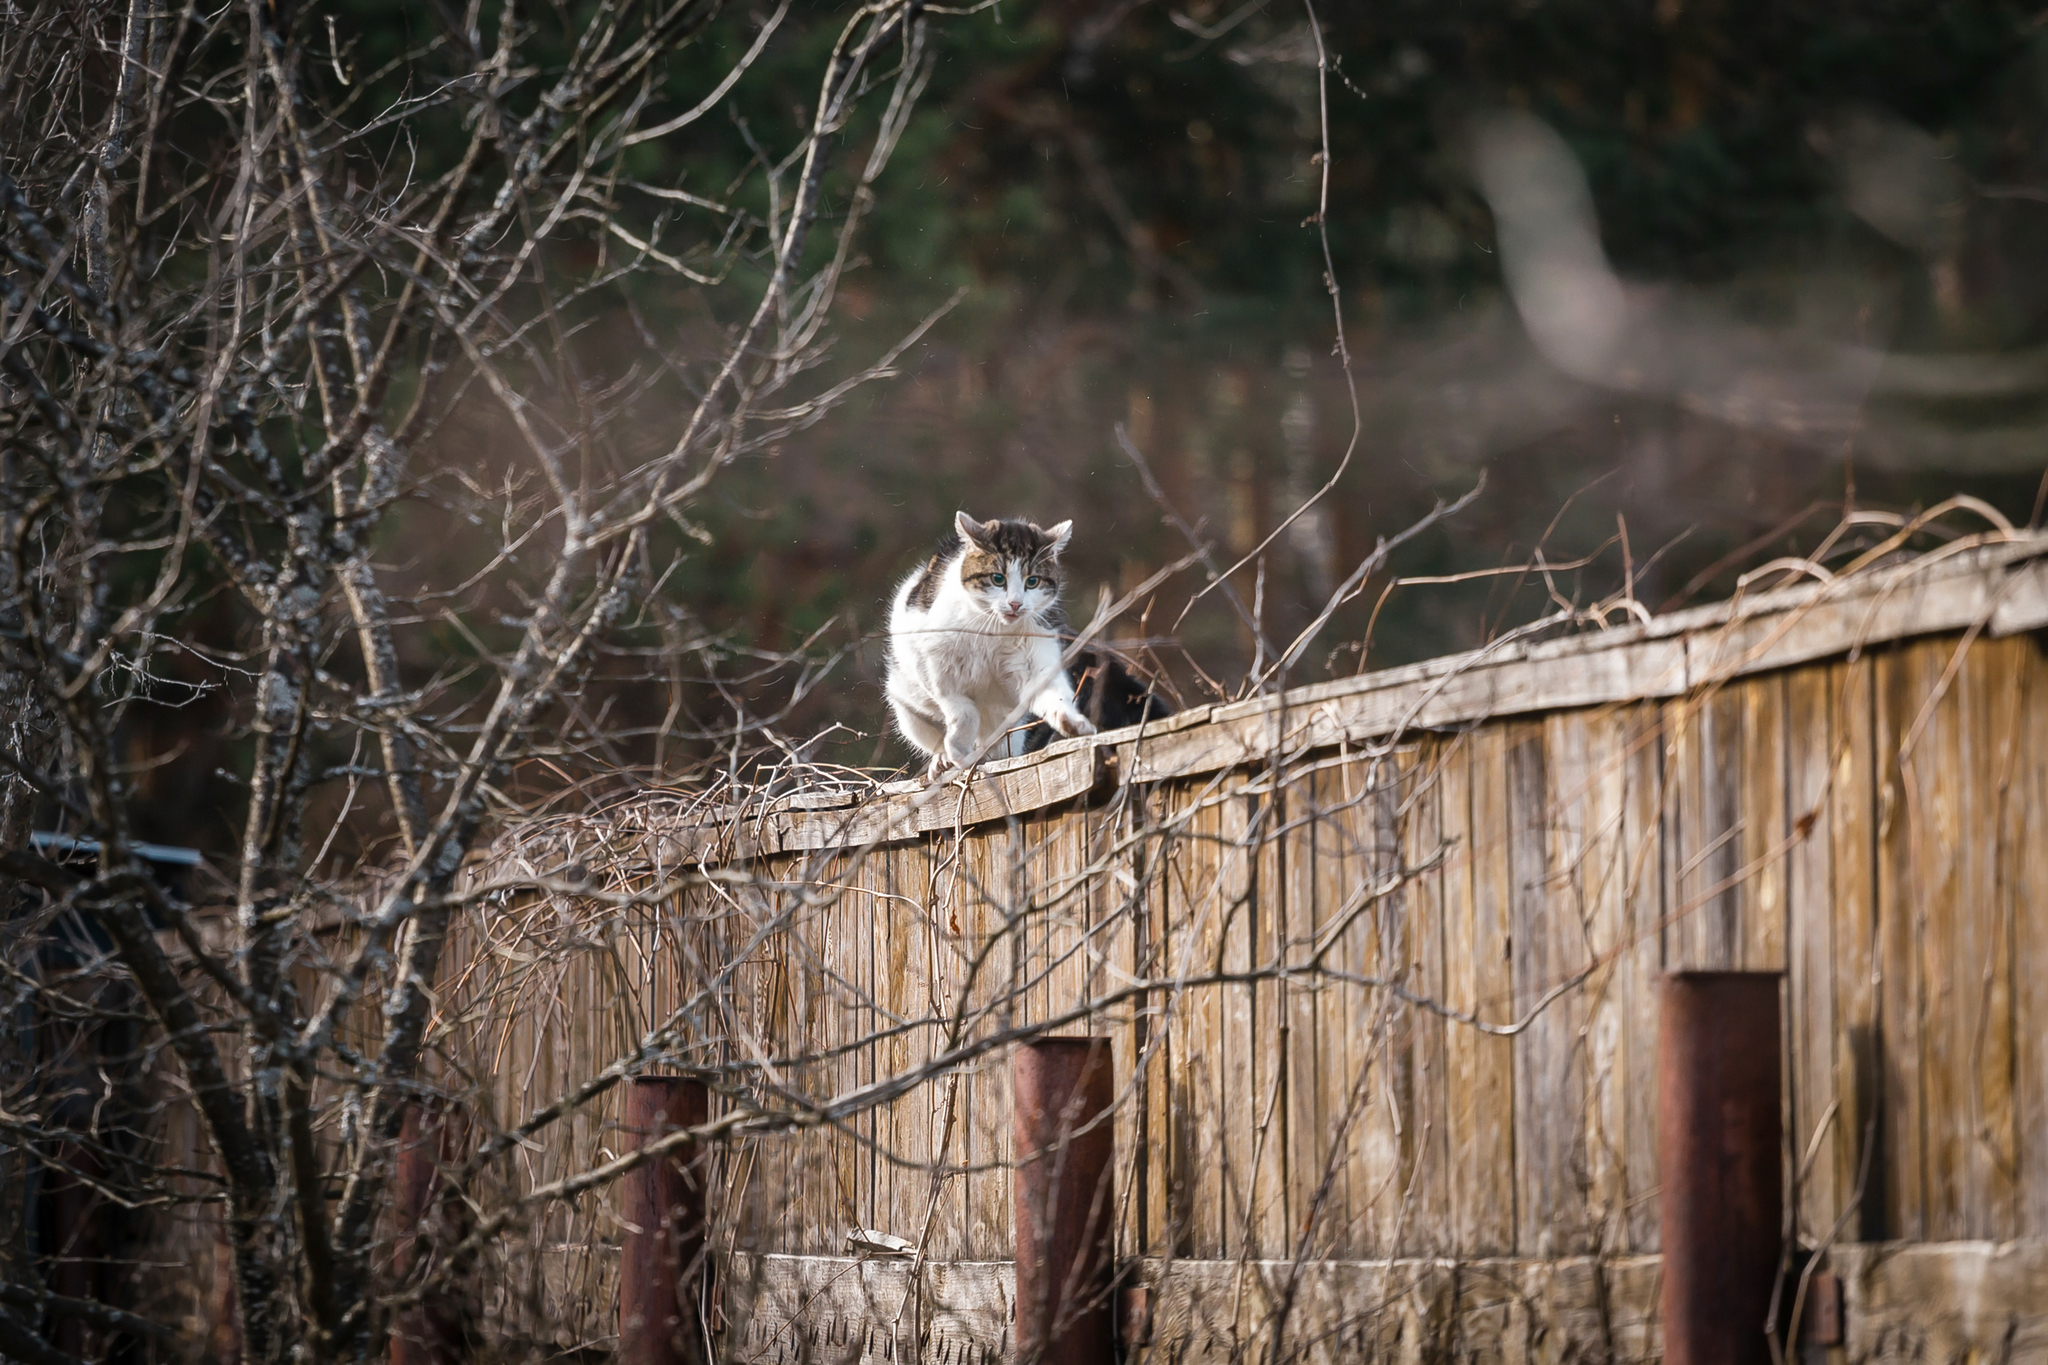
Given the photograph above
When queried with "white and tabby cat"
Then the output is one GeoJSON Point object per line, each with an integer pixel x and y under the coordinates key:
{"type": "Point", "coordinates": [974, 632]}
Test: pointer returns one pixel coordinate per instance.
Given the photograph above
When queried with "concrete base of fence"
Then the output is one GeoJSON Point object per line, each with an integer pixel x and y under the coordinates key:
{"type": "Point", "coordinates": [1942, 1303]}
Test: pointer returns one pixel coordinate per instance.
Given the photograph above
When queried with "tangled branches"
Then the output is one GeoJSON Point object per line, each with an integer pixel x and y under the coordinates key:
{"type": "Point", "coordinates": [256, 287]}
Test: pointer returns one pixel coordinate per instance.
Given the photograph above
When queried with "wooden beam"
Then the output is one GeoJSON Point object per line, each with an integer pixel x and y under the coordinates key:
{"type": "Point", "coordinates": [1935, 1302]}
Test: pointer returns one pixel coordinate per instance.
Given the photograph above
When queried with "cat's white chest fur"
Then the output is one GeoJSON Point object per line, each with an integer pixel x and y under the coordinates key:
{"type": "Point", "coordinates": [956, 650]}
{"type": "Point", "coordinates": [973, 636]}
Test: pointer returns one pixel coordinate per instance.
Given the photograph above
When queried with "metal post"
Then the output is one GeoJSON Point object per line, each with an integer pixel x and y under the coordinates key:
{"type": "Point", "coordinates": [661, 1306]}
{"type": "Point", "coordinates": [1719, 1140]}
{"type": "Point", "coordinates": [431, 1140]}
{"type": "Point", "coordinates": [1065, 1202]}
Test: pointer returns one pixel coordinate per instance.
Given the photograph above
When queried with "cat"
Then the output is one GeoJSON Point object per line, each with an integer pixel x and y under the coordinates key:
{"type": "Point", "coordinates": [1106, 691]}
{"type": "Point", "coordinates": [974, 632]}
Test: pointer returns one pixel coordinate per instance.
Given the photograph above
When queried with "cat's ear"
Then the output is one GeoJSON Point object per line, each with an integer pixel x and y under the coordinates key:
{"type": "Point", "coordinates": [1056, 537]}
{"type": "Point", "coordinates": [969, 529]}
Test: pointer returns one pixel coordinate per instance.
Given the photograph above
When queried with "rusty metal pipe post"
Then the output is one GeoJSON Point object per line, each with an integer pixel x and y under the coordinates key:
{"type": "Point", "coordinates": [1720, 1135]}
{"type": "Point", "coordinates": [1065, 1202]}
{"type": "Point", "coordinates": [430, 1142]}
{"type": "Point", "coordinates": [661, 1307]}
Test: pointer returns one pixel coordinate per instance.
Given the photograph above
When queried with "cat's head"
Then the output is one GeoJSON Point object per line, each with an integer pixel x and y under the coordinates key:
{"type": "Point", "coordinates": [1011, 568]}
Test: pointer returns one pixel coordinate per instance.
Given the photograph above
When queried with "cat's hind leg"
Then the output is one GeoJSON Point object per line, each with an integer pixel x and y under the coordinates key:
{"type": "Point", "coordinates": [924, 730]}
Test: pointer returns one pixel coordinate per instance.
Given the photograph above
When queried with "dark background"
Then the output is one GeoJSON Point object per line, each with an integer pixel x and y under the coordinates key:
{"type": "Point", "coordinates": [1126, 192]}
{"type": "Point", "coordinates": [1201, 318]}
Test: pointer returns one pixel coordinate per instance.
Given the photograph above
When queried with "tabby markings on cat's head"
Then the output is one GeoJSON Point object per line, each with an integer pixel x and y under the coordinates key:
{"type": "Point", "coordinates": [1011, 568]}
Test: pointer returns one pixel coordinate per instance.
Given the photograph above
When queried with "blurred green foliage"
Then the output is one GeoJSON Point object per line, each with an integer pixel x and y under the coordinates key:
{"type": "Point", "coordinates": [1694, 122]}
{"type": "Point", "coordinates": [1127, 193]}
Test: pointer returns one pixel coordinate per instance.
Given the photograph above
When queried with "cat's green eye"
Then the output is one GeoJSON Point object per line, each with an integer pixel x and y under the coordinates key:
{"type": "Point", "coordinates": [996, 579]}
{"type": "Point", "coordinates": [1031, 582]}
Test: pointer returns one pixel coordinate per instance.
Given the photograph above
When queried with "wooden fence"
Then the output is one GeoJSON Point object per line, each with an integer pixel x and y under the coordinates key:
{"type": "Point", "coordinates": [1380, 960]}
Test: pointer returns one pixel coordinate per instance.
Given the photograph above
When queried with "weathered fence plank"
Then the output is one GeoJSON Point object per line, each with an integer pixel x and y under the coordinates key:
{"type": "Point", "coordinates": [1640, 728]}
{"type": "Point", "coordinates": [1853, 821]}
{"type": "Point", "coordinates": [1810, 949]}
{"type": "Point", "coordinates": [1486, 1154]}
{"type": "Point", "coordinates": [2026, 798]}
{"type": "Point", "coordinates": [1905, 674]}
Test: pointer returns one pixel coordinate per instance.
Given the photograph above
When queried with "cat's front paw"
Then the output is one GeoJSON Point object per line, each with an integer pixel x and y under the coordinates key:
{"type": "Point", "coordinates": [1072, 724]}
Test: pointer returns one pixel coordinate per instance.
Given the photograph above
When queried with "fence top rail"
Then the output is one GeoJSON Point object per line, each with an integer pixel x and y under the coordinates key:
{"type": "Point", "coordinates": [1996, 583]}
